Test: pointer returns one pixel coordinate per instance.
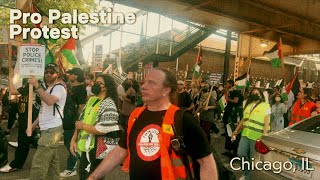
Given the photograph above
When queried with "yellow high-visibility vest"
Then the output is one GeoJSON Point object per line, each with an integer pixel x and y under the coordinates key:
{"type": "Point", "coordinates": [254, 120]}
{"type": "Point", "coordinates": [90, 117]}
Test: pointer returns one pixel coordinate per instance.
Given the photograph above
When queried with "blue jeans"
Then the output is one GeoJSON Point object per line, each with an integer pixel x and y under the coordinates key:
{"type": "Point", "coordinates": [72, 161]}
{"type": "Point", "coordinates": [245, 150]}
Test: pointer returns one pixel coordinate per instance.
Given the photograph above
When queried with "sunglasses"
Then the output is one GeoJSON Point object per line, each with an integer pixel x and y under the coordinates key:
{"type": "Point", "coordinates": [49, 72]}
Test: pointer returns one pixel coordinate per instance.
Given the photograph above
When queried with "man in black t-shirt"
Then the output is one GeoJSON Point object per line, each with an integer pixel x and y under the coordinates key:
{"type": "Point", "coordinates": [78, 92]}
{"type": "Point", "coordinates": [234, 100]}
{"type": "Point", "coordinates": [24, 142]}
{"type": "Point", "coordinates": [184, 99]}
{"type": "Point", "coordinates": [144, 143]}
{"type": "Point", "coordinates": [78, 87]}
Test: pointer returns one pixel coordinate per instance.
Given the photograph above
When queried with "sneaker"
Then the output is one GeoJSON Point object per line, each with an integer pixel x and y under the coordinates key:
{"type": "Point", "coordinates": [68, 173]}
{"type": "Point", "coordinates": [13, 144]}
{"type": "Point", "coordinates": [7, 168]}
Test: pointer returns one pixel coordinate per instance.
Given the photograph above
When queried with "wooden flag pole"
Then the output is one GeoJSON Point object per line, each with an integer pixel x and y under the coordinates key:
{"type": "Point", "coordinates": [30, 100]}
{"type": "Point", "coordinates": [208, 98]}
{"type": "Point", "coordinates": [282, 62]}
{"type": "Point", "coordinates": [29, 129]}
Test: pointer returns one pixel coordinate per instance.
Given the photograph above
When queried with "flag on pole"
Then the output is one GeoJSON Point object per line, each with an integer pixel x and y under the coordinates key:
{"type": "Point", "coordinates": [275, 54]}
{"type": "Point", "coordinates": [243, 80]}
{"type": "Point", "coordinates": [222, 102]}
{"type": "Point", "coordinates": [294, 84]}
{"type": "Point", "coordinates": [49, 58]}
{"type": "Point", "coordinates": [67, 51]}
{"type": "Point", "coordinates": [67, 58]}
{"type": "Point", "coordinates": [196, 67]}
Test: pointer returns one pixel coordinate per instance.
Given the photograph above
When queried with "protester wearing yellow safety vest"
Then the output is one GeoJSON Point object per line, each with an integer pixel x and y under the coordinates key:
{"type": "Point", "coordinates": [98, 130]}
{"type": "Point", "coordinates": [255, 123]}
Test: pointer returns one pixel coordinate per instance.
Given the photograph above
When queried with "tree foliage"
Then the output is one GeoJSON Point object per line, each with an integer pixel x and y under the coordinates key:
{"type": "Point", "coordinates": [83, 6]}
{"type": "Point", "coordinates": [5, 6]}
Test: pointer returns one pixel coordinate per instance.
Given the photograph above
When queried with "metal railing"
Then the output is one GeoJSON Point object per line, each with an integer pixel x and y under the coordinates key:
{"type": "Point", "coordinates": [178, 42]}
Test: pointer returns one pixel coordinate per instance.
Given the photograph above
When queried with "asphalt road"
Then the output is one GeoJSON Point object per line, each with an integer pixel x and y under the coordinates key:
{"type": "Point", "coordinates": [217, 143]}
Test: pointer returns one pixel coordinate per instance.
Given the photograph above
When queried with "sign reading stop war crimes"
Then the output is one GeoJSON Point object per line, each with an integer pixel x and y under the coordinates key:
{"type": "Point", "coordinates": [31, 60]}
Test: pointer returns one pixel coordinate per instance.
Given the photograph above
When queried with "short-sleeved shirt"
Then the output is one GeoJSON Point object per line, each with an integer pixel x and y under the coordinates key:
{"type": "Point", "coordinates": [144, 143]}
{"type": "Point", "coordinates": [48, 119]}
{"type": "Point", "coordinates": [232, 95]}
{"type": "Point", "coordinates": [79, 94]}
{"type": "Point", "coordinates": [208, 114]}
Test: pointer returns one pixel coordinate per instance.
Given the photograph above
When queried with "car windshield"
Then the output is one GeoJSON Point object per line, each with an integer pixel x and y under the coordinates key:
{"type": "Point", "coordinates": [311, 125]}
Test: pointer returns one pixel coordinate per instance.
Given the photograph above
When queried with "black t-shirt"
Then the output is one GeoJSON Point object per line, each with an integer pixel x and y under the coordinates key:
{"type": "Point", "coordinates": [23, 106]}
{"type": "Point", "coordinates": [184, 100]}
{"type": "Point", "coordinates": [79, 94]}
{"type": "Point", "coordinates": [232, 95]}
{"type": "Point", "coordinates": [144, 143]}
{"type": "Point", "coordinates": [23, 101]}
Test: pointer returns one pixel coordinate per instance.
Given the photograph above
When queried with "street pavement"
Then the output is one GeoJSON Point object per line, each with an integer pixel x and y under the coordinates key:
{"type": "Point", "coordinates": [217, 142]}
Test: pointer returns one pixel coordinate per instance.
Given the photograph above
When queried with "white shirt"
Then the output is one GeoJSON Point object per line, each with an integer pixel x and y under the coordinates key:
{"type": "Point", "coordinates": [120, 91]}
{"type": "Point", "coordinates": [89, 92]}
{"type": "Point", "coordinates": [46, 118]}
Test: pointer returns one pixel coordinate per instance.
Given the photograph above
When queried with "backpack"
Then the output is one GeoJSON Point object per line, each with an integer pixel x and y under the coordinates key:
{"type": "Point", "coordinates": [70, 111]}
{"type": "Point", "coordinates": [223, 171]}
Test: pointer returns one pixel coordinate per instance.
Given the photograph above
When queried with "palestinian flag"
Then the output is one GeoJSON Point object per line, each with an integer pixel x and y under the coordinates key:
{"type": "Point", "coordinates": [67, 57]}
{"type": "Point", "coordinates": [242, 81]}
{"type": "Point", "coordinates": [222, 102]}
{"type": "Point", "coordinates": [275, 54]}
{"type": "Point", "coordinates": [68, 51]}
{"type": "Point", "coordinates": [49, 58]}
{"type": "Point", "coordinates": [196, 67]}
{"type": "Point", "coordinates": [294, 84]}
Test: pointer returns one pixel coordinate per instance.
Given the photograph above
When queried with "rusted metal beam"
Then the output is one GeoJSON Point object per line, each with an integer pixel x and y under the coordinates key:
{"type": "Point", "coordinates": [250, 14]}
{"type": "Point", "coordinates": [267, 28]}
{"type": "Point", "coordinates": [281, 11]}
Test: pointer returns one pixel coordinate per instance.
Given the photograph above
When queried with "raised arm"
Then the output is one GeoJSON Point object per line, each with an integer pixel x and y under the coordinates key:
{"type": "Point", "coordinates": [45, 97]}
{"type": "Point", "coordinates": [12, 89]}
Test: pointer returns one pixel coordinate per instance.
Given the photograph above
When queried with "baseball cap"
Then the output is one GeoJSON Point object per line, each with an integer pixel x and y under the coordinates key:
{"type": "Point", "coordinates": [53, 67]}
{"type": "Point", "coordinates": [76, 71]}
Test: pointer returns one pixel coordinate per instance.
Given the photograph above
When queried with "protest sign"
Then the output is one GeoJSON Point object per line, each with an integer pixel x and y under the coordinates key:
{"type": "Point", "coordinates": [31, 60]}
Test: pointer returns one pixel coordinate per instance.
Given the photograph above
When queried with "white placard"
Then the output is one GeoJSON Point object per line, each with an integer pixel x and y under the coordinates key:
{"type": "Point", "coordinates": [31, 60]}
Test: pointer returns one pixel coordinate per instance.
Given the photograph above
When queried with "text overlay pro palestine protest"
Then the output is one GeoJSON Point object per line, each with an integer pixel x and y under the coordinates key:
{"type": "Point", "coordinates": [104, 17]}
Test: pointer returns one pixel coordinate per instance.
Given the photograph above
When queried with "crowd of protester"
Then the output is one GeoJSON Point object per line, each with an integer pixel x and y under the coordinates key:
{"type": "Point", "coordinates": [94, 115]}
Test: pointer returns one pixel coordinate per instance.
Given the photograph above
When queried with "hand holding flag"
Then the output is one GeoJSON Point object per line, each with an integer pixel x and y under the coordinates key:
{"type": "Point", "coordinates": [196, 67]}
